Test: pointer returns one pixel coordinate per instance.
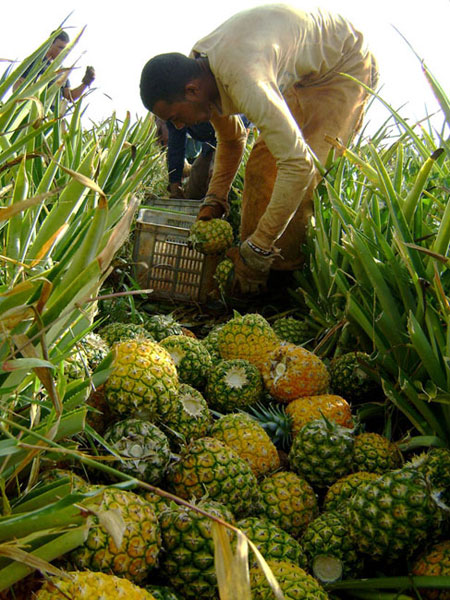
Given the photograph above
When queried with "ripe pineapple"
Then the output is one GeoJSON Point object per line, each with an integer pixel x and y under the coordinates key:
{"type": "Point", "coordinates": [249, 337]}
{"type": "Point", "coordinates": [186, 416]}
{"type": "Point", "coordinates": [330, 551]}
{"type": "Point", "coordinates": [434, 561]}
{"type": "Point", "coordinates": [342, 489]}
{"type": "Point", "coordinates": [292, 330]}
{"type": "Point", "coordinates": [210, 343]}
{"type": "Point", "coordinates": [122, 332]}
{"type": "Point", "coordinates": [249, 440]}
{"type": "Point", "coordinates": [290, 371]}
{"type": "Point", "coordinates": [144, 377]}
{"type": "Point", "coordinates": [211, 237]}
{"type": "Point", "coordinates": [349, 379]}
{"type": "Point", "coordinates": [159, 502]}
{"type": "Point", "coordinates": [295, 583]}
{"type": "Point", "coordinates": [375, 453]}
{"type": "Point", "coordinates": [191, 358]}
{"type": "Point", "coordinates": [392, 515]}
{"type": "Point", "coordinates": [322, 452]}
{"type": "Point", "coordinates": [208, 466]}
{"type": "Point", "coordinates": [89, 585]}
{"type": "Point", "coordinates": [288, 501]}
{"type": "Point", "coordinates": [161, 326]}
{"type": "Point", "coordinates": [140, 543]}
{"type": "Point", "coordinates": [143, 448]}
{"type": "Point", "coordinates": [188, 558]}
{"type": "Point", "coordinates": [273, 542]}
{"type": "Point", "coordinates": [308, 408]}
{"type": "Point", "coordinates": [223, 274]}
{"type": "Point", "coordinates": [233, 384]}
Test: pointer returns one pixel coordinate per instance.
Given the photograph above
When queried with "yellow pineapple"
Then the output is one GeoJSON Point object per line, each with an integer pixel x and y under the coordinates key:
{"type": "Point", "coordinates": [308, 408]}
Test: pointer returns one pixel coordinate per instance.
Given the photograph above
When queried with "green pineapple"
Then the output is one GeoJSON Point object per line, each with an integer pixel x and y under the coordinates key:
{"type": "Point", "coordinates": [223, 274]}
{"type": "Point", "coordinates": [188, 558]}
{"type": "Point", "coordinates": [322, 452]}
{"type": "Point", "coordinates": [211, 237]}
{"type": "Point", "coordinates": [122, 332]}
{"type": "Point", "coordinates": [349, 377]}
{"type": "Point", "coordinates": [330, 551]}
{"type": "Point", "coordinates": [248, 439]}
{"type": "Point", "coordinates": [375, 453]}
{"type": "Point", "coordinates": [161, 326]}
{"type": "Point", "coordinates": [161, 592]}
{"type": "Point", "coordinates": [292, 330]}
{"type": "Point", "coordinates": [435, 466]}
{"type": "Point", "coordinates": [140, 543]}
{"type": "Point", "coordinates": [288, 501]}
{"type": "Point", "coordinates": [210, 343]}
{"type": "Point", "coordinates": [295, 583]}
{"type": "Point", "coordinates": [191, 358]}
{"type": "Point", "coordinates": [144, 377]}
{"type": "Point", "coordinates": [233, 384]}
{"type": "Point", "coordinates": [273, 542]}
{"type": "Point", "coordinates": [342, 489]}
{"type": "Point", "coordinates": [96, 349]}
{"type": "Point", "coordinates": [143, 448]}
{"type": "Point", "coordinates": [209, 467]}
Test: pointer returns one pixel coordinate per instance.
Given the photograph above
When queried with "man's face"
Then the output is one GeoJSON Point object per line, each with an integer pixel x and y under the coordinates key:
{"type": "Point", "coordinates": [55, 49]}
{"type": "Point", "coordinates": [184, 112]}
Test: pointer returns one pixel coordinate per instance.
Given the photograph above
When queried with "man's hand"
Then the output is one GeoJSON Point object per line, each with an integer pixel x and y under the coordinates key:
{"type": "Point", "coordinates": [175, 190]}
{"type": "Point", "coordinates": [251, 269]}
{"type": "Point", "coordinates": [213, 207]}
{"type": "Point", "coordinates": [89, 76]}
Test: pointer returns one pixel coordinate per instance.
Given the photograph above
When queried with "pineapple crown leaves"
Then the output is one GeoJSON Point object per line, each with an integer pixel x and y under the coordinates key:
{"type": "Point", "coordinates": [274, 420]}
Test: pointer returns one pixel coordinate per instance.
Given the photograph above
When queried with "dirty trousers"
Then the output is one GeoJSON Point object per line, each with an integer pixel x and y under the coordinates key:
{"type": "Point", "coordinates": [332, 106]}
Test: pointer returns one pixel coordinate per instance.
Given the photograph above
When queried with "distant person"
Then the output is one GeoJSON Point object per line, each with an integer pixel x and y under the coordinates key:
{"type": "Point", "coordinates": [59, 43]}
{"type": "Point", "coordinates": [295, 75]}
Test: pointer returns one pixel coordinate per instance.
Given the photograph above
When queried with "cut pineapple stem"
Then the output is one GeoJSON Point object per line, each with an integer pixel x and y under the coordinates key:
{"type": "Point", "coordinates": [327, 569]}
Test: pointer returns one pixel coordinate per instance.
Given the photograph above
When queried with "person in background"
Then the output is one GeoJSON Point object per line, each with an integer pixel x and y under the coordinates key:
{"type": "Point", "coordinates": [301, 78]}
{"type": "Point", "coordinates": [58, 44]}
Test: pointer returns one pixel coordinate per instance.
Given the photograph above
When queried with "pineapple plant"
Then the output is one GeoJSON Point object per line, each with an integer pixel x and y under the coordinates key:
{"type": "Point", "coordinates": [233, 384]}
{"type": "Point", "coordinates": [292, 330]}
{"type": "Point", "coordinates": [91, 585]}
{"type": "Point", "coordinates": [308, 408]}
{"type": "Point", "coordinates": [290, 371]}
{"type": "Point", "coordinates": [208, 466]}
{"type": "Point", "coordinates": [375, 453]}
{"type": "Point", "coordinates": [143, 378]}
{"type": "Point", "coordinates": [322, 452]}
{"type": "Point", "coordinates": [288, 501]}
{"type": "Point", "coordinates": [295, 583]}
{"type": "Point", "coordinates": [133, 553]}
{"type": "Point", "coordinates": [434, 560]}
{"type": "Point", "coordinates": [122, 332]}
{"type": "Point", "coordinates": [249, 337]}
{"type": "Point", "coordinates": [188, 557]}
{"type": "Point", "coordinates": [142, 447]}
{"type": "Point", "coordinates": [249, 440]}
{"type": "Point", "coordinates": [273, 542]}
{"type": "Point", "coordinates": [161, 326]}
{"type": "Point", "coordinates": [392, 515]}
{"type": "Point", "coordinates": [191, 358]}
{"type": "Point", "coordinates": [186, 416]}
{"type": "Point", "coordinates": [330, 551]}
{"type": "Point", "coordinates": [342, 489]}
{"type": "Point", "coordinates": [211, 237]}
{"type": "Point", "coordinates": [349, 379]}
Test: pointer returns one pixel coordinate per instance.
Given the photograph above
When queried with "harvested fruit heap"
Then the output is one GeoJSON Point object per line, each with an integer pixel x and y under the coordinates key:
{"type": "Point", "coordinates": [285, 459]}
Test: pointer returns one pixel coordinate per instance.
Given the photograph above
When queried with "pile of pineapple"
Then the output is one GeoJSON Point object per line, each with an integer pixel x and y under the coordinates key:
{"type": "Point", "coordinates": [248, 426]}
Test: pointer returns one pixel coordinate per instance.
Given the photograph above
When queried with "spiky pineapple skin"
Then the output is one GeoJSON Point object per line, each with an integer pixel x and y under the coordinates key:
{"type": "Point", "coordinates": [375, 453]}
{"type": "Point", "coordinates": [348, 378]}
{"type": "Point", "coordinates": [144, 377]}
{"type": "Point", "coordinates": [342, 489]}
{"type": "Point", "coordinates": [143, 447]}
{"type": "Point", "coordinates": [89, 585]}
{"type": "Point", "coordinates": [292, 330]}
{"type": "Point", "coordinates": [308, 408]}
{"type": "Point", "coordinates": [295, 583]}
{"type": "Point", "coordinates": [160, 592]}
{"type": "Point", "coordinates": [392, 515]}
{"type": "Point", "coordinates": [141, 542]}
{"type": "Point", "coordinates": [223, 274]}
{"type": "Point", "coordinates": [435, 466]}
{"type": "Point", "coordinates": [211, 343]}
{"type": "Point", "coordinates": [191, 358]}
{"type": "Point", "coordinates": [122, 332]}
{"type": "Point", "coordinates": [288, 501]}
{"type": "Point", "coordinates": [434, 561]}
{"type": "Point", "coordinates": [290, 371]}
{"type": "Point", "coordinates": [249, 440]}
{"type": "Point", "coordinates": [208, 466]}
{"type": "Point", "coordinates": [273, 542]}
{"type": "Point", "coordinates": [233, 384]}
{"type": "Point", "coordinates": [322, 452]}
{"type": "Point", "coordinates": [211, 237]}
{"type": "Point", "coordinates": [96, 349]}
{"type": "Point", "coordinates": [161, 326]}
{"type": "Point", "coordinates": [188, 558]}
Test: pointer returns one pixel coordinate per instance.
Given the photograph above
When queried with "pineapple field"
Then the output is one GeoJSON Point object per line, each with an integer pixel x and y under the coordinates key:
{"type": "Point", "coordinates": [294, 448]}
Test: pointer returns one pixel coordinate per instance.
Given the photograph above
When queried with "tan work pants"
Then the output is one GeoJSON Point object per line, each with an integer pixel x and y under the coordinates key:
{"type": "Point", "coordinates": [332, 106]}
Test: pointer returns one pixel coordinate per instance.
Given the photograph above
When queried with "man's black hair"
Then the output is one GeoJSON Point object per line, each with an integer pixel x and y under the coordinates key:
{"type": "Point", "coordinates": [63, 36]}
{"type": "Point", "coordinates": [164, 77]}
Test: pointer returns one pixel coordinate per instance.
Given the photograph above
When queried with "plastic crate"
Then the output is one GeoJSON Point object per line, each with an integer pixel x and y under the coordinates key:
{"type": "Point", "coordinates": [186, 206]}
{"type": "Point", "coordinates": [165, 263]}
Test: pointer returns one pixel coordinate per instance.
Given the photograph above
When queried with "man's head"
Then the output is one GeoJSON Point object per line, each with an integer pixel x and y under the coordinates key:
{"type": "Point", "coordinates": [176, 88]}
{"type": "Point", "coordinates": [59, 43]}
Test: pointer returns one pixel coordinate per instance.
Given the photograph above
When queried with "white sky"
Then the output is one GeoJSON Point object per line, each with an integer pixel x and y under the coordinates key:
{"type": "Point", "coordinates": [121, 36]}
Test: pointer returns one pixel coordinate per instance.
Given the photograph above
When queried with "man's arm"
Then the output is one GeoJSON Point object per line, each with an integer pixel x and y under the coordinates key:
{"type": "Point", "coordinates": [75, 93]}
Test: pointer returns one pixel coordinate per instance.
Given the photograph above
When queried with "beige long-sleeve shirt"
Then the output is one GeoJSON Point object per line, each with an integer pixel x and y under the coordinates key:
{"type": "Point", "coordinates": [255, 56]}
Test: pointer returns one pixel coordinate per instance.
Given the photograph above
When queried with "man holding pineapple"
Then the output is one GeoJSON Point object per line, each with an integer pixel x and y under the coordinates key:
{"type": "Point", "coordinates": [296, 76]}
